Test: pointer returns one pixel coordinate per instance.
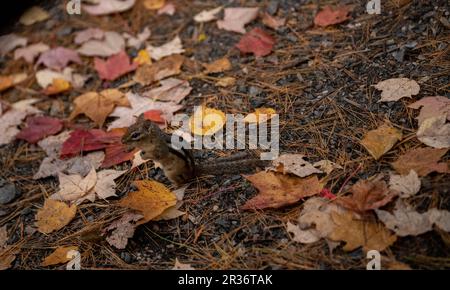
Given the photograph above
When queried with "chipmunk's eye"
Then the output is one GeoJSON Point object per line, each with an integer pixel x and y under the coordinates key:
{"type": "Point", "coordinates": [135, 135]}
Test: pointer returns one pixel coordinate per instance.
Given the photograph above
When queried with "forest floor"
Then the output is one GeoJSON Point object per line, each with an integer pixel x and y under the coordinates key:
{"type": "Point", "coordinates": [321, 83]}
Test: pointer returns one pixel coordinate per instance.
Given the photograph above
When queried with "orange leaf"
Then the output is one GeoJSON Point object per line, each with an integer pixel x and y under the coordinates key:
{"type": "Point", "coordinates": [422, 160]}
{"type": "Point", "coordinates": [54, 216]}
{"type": "Point", "coordinates": [59, 256]}
{"type": "Point", "coordinates": [328, 16]}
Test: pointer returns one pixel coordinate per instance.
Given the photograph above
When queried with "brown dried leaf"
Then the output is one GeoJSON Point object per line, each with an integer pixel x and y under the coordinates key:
{"type": "Point", "coordinates": [397, 88]}
{"type": "Point", "coordinates": [434, 132]}
{"type": "Point", "coordinates": [277, 190]}
{"type": "Point", "coordinates": [171, 89]}
{"type": "Point", "coordinates": [172, 47]}
{"type": "Point", "coordinates": [59, 256]}
{"type": "Point", "coordinates": [219, 65]}
{"type": "Point", "coordinates": [381, 140]}
{"type": "Point", "coordinates": [54, 215]}
{"type": "Point", "coordinates": [293, 163]}
{"type": "Point", "coordinates": [122, 229]}
{"type": "Point", "coordinates": [33, 15]}
{"type": "Point", "coordinates": [432, 106]}
{"type": "Point", "coordinates": [150, 73]}
{"type": "Point", "coordinates": [422, 160]}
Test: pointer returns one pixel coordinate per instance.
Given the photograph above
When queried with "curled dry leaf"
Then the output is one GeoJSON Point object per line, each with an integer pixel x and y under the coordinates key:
{"type": "Point", "coordinates": [431, 107]}
{"type": "Point", "coordinates": [406, 185]}
{"type": "Point", "coordinates": [397, 88]}
{"type": "Point", "coordinates": [272, 22]}
{"type": "Point", "coordinates": [367, 195]}
{"type": "Point", "coordinates": [30, 52]}
{"type": "Point", "coordinates": [39, 128]}
{"type": "Point", "coordinates": [166, 67]}
{"type": "Point", "coordinates": [111, 44]}
{"type": "Point", "coordinates": [257, 41]}
{"type": "Point", "coordinates": [172, 47]}
{"type": "Point", "coordinates": [59, 256]}
{"type": "Point", "coordinates": [98, 106]}
{"type": "Point", "coordinates": [122, 229]}
{"type": "Point", "coordinates": [151, 199]}
{"type": "Point", "coordinates": [219, 65]}
{"type": "Point", "coordinates": [422, 160]}
{"type": "Point", "coordinates": [405, 221]}
{"type": "Point", "coordinates": [8, 42]}
{"type": "Point", "coordinates": [206, 121]}
{"type": "Point", "coordinates": [294, 164]}
{"type": "Point", "coordinates": [207, 15]}
{"type": "Point", "coordinates": [236, 18]}
{"type": "Point", "coordinates": [58, 58]}
{"type": "Point", "coordinates": [435, 132]}
{"type": "Point", "coordinates": [104, 7]}
{"type": "Point", "coordinates": [9, 81]}
{"type": "Point", "coordinates": [381, 140]}
{"type": "Point", "coordinates": [171, 89]}
{"type": "Point", "coordinates": [328, 16]}
{"type": "Point", "coordinates": [54, 215]}
{"type": "Point", "coordinates": [225, 82]}
{"type": "Point", "coordinates": [278, 190]}
{"type": "Point", "coordinates": [115, 66]}
{"type": "Point", "coordinates": [33, 15]}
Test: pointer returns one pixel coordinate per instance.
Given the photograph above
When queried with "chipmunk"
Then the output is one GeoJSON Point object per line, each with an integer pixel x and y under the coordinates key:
{"type": "Point", "coordinates": [178, 164]}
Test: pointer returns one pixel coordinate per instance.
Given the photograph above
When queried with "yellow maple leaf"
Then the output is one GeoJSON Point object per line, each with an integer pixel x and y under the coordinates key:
{"type": "Point", "coordinates": [54, 216]}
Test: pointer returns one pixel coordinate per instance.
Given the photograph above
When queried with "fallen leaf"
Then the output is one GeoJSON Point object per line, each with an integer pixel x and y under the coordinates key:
{"type": "Point", "coordinates": [46, 77]}
{"type": "Point", "coordinates": [397, 88]}
{"type": "Point", "coordinates": [294, 164]}
{"type": "Point", "coordinates": [105, 186]}
{"type": "Point", "coordinates": [405, 221]}
{"type": "Point", "coordinates": [114, 67]}
{"type": "Point", "coordinates": [206, 121]}
{"type": "Point", "coordinates": [151, 199]}
{"type": "Point", "coordinates": [139, 105]}
{"type": "Point", "coordinates": [139, 40]}
{"type": "Point", "coordinates": [174, 212]}
{"type": "Point", "coordinates": [116, 154]}
{"type": "Point", "coordinates": [225, 82]}
{"type": "Point", "coordinates": [30, 52]}
{"type": "Point", "coordinates": [381, 140]}
{"type": "Point", "coordinates": [122, 229]}
{"type": "Point", "coordinates": [236, 18]}
{"type": "Point", "coordinates": [272, 22]}
{"type": "Point", "coordinates": [104, 7]}
{"type": "Point", "coordinates": [257, 41]}
{"type": "Point", "coordinates": [278, 190]}
{"type": "Point", "coordinates": [367, 195]}
{"type": "Point", "coordinates": [58, 58]}
{"type": "Point", "coordinates": [434, 132]}
{"type": "Point", "coordinates": [166, 67]}
{"type": "Point", "coordinates": [328, 16]}
{"type": "Point", "coordinates": [168, 9]}
{"type": "Point", "coordinates": [217, 66]}
{"type": "Point", "coordinates": [260, 115]}
{"type": "Point", "coordinates": [172, 47]}
{"type": "Point", "coordinates": [155, 116]}
{"type": "Point", "coordinates": [8, 42]}
{"type": "Point", "coordinates": [98, 106]}
{"type": "Point", "coordinates": [327, 166]}
{"type": "Point", "coordinates": [74, 187]}
{"type": "Point", "coordinates": [207, 15]}
{"type": "Point", "coordinates": [112, 43]}
{"type": "Point", "coordinates": [142, 58]}
{"type": "Point", "coordinates": [9, 81]}
{"type": "Point", "coordinates": [40, 127]}
{"type": "Point", "coordinates": [431, 107]}
{"type": "Point", "coordinates": [54, 215]}
{"type": "Point", "coordinates": [59, 256]}
{"type": "Point", "coordinates": [52, 164]}
{"type": "Point", "coordinates": [421, 160]}
{"type": "Point", "coordinates": [88, 34]}
{"type": "Point", "coordinates": [180, 266]}
{"type": "Point", "coordinates": [406, 185]}
{"type": "Point", "coordinates": [13, 117]}
{"type": "Point", "coordinates": [88, 140]}
{"type": "Point", "coordinates": [357, 233]}
{"type": "Point", "coordinates": [58, 86]}
{"type": "Point", "coordinates": [153, 4]}
{"type": "Point", "coordinates": [171, 89]}
{"type": "Point", "coordinates": [33, 15]}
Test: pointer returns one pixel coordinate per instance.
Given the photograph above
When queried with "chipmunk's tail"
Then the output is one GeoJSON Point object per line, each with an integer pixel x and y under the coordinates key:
{"type": "Point", "coordinates": [230, 167]}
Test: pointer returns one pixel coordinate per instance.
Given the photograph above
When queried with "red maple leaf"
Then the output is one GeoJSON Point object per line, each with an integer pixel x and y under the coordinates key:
{"type": "Point", "coordinates": [115, 66]}
{"type": "Point", "coordinates": [39, 128]}
{"type": "Point", "coordinates": [88, 140]}
{"type": "Point", "coordinates": [257, 41]}
{"type": "Point", "coordinates": [155, 116]}
{"type": "Point", "coordinates": [328, 16]}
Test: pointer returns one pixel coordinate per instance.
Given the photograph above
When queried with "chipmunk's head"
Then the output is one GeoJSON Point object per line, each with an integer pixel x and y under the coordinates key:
{"type": "Point", "coordinates": [143, 131]}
